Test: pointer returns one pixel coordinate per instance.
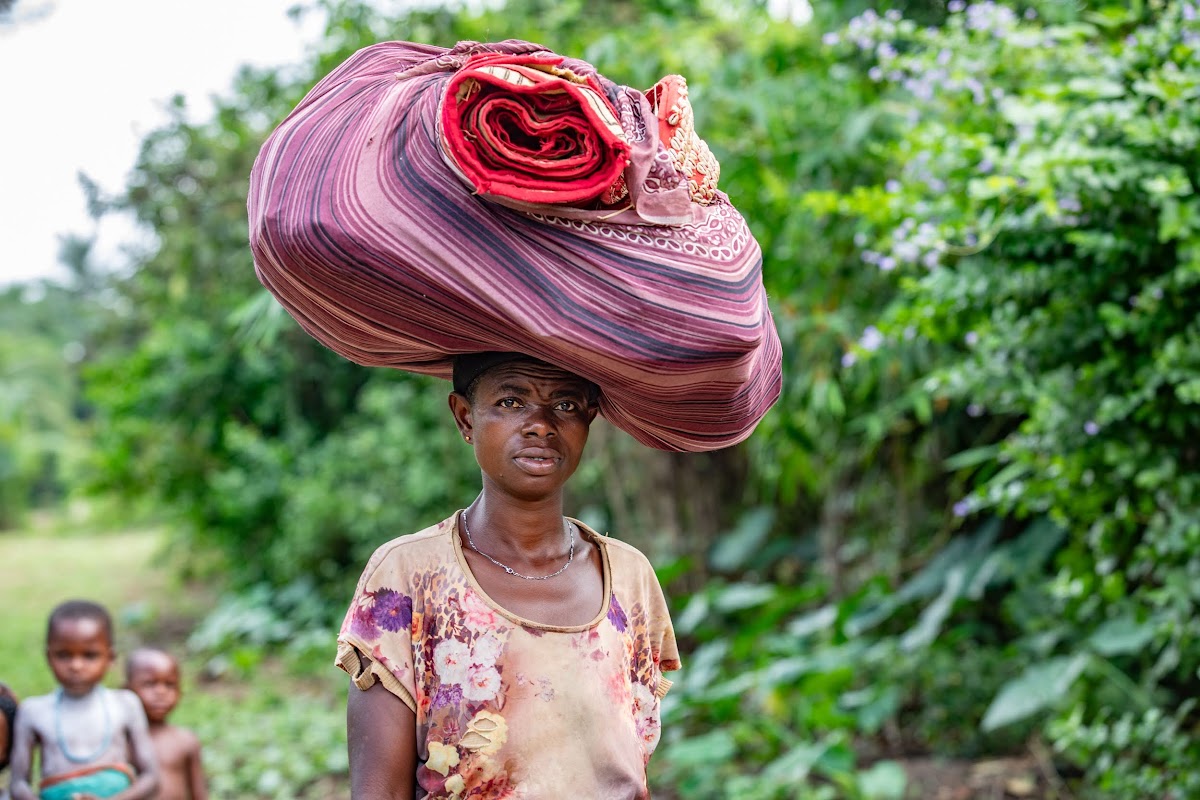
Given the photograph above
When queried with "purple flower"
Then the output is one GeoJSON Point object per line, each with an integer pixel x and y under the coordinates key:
{"type": "Point", "coordinates": [1091, 428]}
{"type": "Point", "coordinates": [616, 615]}
{"type": "Point", "coordinates": [972, 338]}
{"type": "Point", "coordinates": [448, 696]}
{"type": "Point", "coordinates": [871, 339]}
{"type": "Point", "coordinates": [848, 358]}
{"type": "Point", "coordinates": [892, 186]}
{"type": "Point", "coordinates": [962, 508]}
{"type": "Point", "coordinates": [974, 410]}
{"type": "Point", "coordinates": [887, 263]}
{"type": "Point", "coordinates": [830, 39]}
{"type": "Point", "coordinates": [362, 622]}
{"type": "Point", "coordinates": [393, 611]}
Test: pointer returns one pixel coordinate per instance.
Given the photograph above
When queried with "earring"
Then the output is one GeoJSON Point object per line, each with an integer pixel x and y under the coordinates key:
{"type": "Point", "coordinates": [468, 438]}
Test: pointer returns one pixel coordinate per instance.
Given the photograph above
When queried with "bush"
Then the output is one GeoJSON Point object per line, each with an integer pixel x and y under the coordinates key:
{"type": "Point", "coordinates": [1041, 224]}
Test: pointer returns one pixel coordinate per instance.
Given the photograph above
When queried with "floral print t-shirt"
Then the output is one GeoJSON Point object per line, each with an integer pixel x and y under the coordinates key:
{"type": "Point", "coordinates": [506, 707]}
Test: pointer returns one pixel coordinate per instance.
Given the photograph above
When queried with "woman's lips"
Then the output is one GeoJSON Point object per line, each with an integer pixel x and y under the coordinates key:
{"type": "Point", "coordinates": [537, 462]}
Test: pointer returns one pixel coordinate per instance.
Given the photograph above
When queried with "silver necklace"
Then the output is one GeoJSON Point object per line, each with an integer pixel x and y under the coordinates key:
{"type": "Point", "coordinates": [510, 570]}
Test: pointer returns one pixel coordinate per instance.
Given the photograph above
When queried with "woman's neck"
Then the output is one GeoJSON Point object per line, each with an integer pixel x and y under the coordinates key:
{"type": "Point", "coordinates": [534, 531]}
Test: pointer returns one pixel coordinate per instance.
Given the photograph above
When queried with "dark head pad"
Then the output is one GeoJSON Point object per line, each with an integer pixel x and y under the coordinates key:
{"type": "Point", "coordinates": [469, 366]}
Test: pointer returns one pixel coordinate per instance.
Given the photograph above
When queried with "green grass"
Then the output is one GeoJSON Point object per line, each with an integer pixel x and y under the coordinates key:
{"type": "Point", "coordinates": [122, 571]}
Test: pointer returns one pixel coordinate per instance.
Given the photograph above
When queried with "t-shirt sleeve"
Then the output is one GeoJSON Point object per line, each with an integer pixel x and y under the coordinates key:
{"type": "Point", "coordinates": [375, 642]}
{"type": "Point", "coordinates": [662, 633]}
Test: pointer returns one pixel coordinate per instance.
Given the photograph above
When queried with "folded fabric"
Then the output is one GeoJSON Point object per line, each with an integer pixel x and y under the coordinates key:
{"type": "Point", "coordinates": [416, 205]}
{"type": "Point", "coordinates": [101, 780]}
{"type": "Point", "coordinates": [523, 127]}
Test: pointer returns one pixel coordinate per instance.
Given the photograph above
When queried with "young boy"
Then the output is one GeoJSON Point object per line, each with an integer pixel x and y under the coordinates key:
{"type": "Point", "coordinates": [93, 741]}
{"type": "Point", "coordinates": [153, 675]}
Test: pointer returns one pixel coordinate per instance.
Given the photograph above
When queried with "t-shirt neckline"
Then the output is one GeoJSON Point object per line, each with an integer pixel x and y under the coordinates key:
{"type": "Point", "coordinates": [605, 569]}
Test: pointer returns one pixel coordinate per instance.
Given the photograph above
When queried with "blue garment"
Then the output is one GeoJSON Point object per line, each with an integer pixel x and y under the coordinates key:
{"type": "Point", "coordinates": [105, 781]}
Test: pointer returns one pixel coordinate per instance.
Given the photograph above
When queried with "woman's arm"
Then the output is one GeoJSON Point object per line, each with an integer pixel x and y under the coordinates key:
{"type": "Point", "coordinates": [382, 738]}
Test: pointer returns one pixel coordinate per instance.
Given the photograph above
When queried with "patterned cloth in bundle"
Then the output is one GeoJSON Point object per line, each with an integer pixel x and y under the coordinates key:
{"type": "Point", "coordinates": [423, 202]}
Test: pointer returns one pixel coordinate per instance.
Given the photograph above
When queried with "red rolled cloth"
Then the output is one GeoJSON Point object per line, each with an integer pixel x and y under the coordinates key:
{"type": "Point", "coordinates": [517, 129]}
{"type": "Point", "coordinates": [423, 202]}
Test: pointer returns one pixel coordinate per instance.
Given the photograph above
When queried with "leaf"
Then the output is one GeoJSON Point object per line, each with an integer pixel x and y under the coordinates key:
{"type": "Point", "coordinates": [734, 550]}
{"type": "Point", "coordinates": [710, 747]}
{"type": "Point", "coordinates": [791, 768]}
{"type": "Point", "coordinates": [929, 624]}
{"type": "Point", "coordinates": [885, 780]}
{"type": "Point", "coordinates": [739, 596]}
{"type": "Point", "coordinates": [1121, 636]}
{"type": "Point", "coordinates": [1039, 687]}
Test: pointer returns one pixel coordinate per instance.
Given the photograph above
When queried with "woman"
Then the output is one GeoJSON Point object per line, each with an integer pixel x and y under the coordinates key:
{"type": "Point", "coordinates": [555, 244]}
{"type": "Point", "coordinates": [509, 650]}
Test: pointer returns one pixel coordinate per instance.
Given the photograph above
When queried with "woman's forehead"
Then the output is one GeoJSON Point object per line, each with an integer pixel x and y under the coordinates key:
{"type": "Point", "coordinates": [547, 376]}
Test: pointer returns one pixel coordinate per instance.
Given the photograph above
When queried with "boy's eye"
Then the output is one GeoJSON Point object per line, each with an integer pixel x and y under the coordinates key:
{"type": "Point", "coordinates": [510, 402]}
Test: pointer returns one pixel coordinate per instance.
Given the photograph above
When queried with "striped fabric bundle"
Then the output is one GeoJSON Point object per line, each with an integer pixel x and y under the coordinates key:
{"type": "Point", "coordinates": [369, 232]}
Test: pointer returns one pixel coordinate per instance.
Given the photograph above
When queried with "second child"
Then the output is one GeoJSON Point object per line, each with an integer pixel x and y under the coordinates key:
{"type": "Point", "coordinates": [93, 741]}
{"type": "Point", "coordinates": [153, 675]}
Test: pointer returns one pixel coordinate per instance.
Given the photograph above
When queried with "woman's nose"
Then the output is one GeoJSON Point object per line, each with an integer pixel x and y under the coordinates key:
{"type": "Point", "coordinates": [539, 421]}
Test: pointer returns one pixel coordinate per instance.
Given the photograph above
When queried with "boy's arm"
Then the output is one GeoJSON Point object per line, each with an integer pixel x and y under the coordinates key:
{"type": "Point", "coordinates": [141, 751]}
{"type": "Point", "coordinates": [24, 740]}
{"type": "Point", "coordinates": [382, 737]}
{"type": "Point", "coordinates": [196, 782]}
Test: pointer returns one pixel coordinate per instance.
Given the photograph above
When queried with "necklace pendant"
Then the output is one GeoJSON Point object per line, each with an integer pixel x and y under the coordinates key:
{"type": "Point", "coordinates": [510, 570]}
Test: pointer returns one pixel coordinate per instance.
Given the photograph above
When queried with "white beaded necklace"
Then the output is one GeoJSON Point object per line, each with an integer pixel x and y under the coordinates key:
{"type": "Point", "coordinates": [570, 554]}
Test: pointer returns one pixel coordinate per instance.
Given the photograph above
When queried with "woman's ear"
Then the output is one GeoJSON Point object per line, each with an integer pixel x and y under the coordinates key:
{"type": "Point", "coordinates": [460, 407]}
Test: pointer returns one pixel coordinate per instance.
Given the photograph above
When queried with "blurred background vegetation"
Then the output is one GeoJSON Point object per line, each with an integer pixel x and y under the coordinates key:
{"type": "Point", "coordinates": [969, 533]}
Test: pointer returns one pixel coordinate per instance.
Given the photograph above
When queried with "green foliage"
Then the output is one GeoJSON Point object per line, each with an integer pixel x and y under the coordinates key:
{"type": "Point", "coordinates": [973, 513]}
{"type": "Point", "coordinates": [267, 744]}
{"type": "Point", "coordinates": [1041, 227]}
{"type": "Point", "coordinates": [43, 435]}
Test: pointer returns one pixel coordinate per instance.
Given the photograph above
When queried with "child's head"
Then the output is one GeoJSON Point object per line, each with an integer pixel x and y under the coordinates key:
{"type": "Point", "coordinates": [153, 675]}
{"type": "Point", "coordinates": [79, 645]}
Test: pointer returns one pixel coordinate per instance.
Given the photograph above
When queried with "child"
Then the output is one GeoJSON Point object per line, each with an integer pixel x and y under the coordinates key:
{"type": "Point", "coordinates": [8, 712]}
{"type": "Point", "coordinates": [93, 741]}
{"type": "Point", "coordinates": [508, 650]}
{"type": "Point", "coordinates": [153, 675]}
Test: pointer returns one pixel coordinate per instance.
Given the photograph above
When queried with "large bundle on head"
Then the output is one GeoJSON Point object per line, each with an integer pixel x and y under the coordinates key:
{"type": "Point", "coordinates": [422, 203]}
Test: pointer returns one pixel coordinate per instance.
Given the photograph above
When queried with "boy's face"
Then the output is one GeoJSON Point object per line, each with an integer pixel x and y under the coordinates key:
{"type": "Point", "coordinates": [80, 653]}
{"type": "Point", "coordinates": [154, 678]}
{"type": "Point", "coordinates": [529, 423]}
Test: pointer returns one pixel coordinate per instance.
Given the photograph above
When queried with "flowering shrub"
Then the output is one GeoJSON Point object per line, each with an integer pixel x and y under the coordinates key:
{"type": "Point", "coordinates": [1041, 221]}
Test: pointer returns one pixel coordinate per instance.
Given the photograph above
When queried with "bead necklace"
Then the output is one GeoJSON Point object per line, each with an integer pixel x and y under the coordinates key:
{"type": "Point", "coordinates": [102, 696]}
{"type": "Point", "coordinates": [510, 570]}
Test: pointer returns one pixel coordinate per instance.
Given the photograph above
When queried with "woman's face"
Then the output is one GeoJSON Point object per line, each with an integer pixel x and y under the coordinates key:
{"type": "Point", "coordinates": [528, 423]}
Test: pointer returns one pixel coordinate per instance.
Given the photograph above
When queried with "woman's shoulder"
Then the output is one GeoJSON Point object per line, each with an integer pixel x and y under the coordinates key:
{"type": "Point", "coordinates": [622, 555]}
{"type": "Point", "coordinates": [432, 543]}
